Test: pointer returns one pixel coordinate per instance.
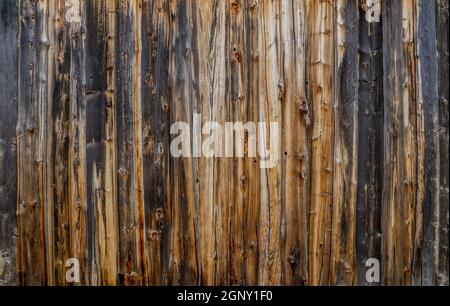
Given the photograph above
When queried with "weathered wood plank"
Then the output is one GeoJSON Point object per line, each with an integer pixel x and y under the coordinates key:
{"type": "Point", "coordinates": [370, 143]}
{"type": "Point", "coordinates": [9, 33]}
{"type": "Point", "coordinates": [101, 143]}
{"type": "Point", "coordinates": [295, 119]}
{"type": "Point", "coordinates": [155, 133]}
{"type": "Point", "coordinates": [252, 205]}
{"type": "Point", "coordinates": [128, 100]}
{"type": "Point", "coordinates": [338, 151]}
{"type": "Point", "coordinates": [343, 263]}
{"type": "Point", "coordinates": [428, 97]}
{"type": "Point", "coordinates": [239, 111]}
{"type": "Point", "coordinates": [32, 105]}
{"type": "Point", "coordinates": [320, 93]}
{"type": "Point", "coordinates": [442, 39]}
{"type": "Point", "coordinates": [184, 101]}
{"type": "Point", "coordinates": [60, 144]}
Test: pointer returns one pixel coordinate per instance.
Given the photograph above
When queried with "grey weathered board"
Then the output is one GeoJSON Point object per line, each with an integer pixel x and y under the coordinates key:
{"type": "Point", "coordinates": [86, 172]}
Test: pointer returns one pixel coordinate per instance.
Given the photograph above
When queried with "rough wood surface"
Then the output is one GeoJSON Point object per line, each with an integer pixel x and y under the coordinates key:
{"type": "Point", "coordinates": [91, 88]}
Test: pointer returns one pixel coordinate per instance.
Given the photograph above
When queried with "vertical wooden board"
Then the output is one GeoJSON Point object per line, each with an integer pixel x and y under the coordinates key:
{"type": "Point", "coordinates": [401, 151]}
{"type": "Point", "coordinates": [252, 205]}
{"type": "Point", "coordinates": [60, 144]}
{"type": "Point", "coordinates": [370, 143]}
{"type": "Point", "coordinates": [345, 146]}
{"type": "Point", "coordinates": [101, 143]}
{"type": "Point", "coordinates": [44, 109]}
{"type": "Point", "coordinates": [49, 215]}
{"type": "Point", "coordinates": [428, 97]}
{"type": "Point", "coordinates": [263, 228]}
{"type": "Point", "coordinates": [136, 98]}
{"type": "Point", "coordinates": [111, 186]}
{"type": "Point", "coordinates": [183, 82]}
{"type": "Point", "coordinates": [110, 139]}
{"type": "Point", "coordinates": [409, 128]}
{"type": "Point", "coordinates": [442, 39]}
{"type": "Point", "coordinates": [238, 108]}
{"type": "Point", "coordinates": [133, 266]}
{"type": "Point", "coordinates": [95, 131]}
{"type": "Point", "coordinates": [129, 266]}
{"type": "Point", "coordinates": [155, 129]}
{"type": "Point", "coordinates": [77, 145]}
{"type": "Point", "coordinates": [211, 46]}
{"type": "Point", "coordinates": [287, 107]}
{"type": "Point", "coordinates": [393, 196]}
{"type": "Point", "coordinates": [320, 91]}
{"type": "Point", "coordinates": [295, 127]}
{"type": "Point", "coordinates": [223, 166]}
{"type": "Point", "coordinates": [417, 270]}
{"type": "Point", "coordinates": [30, 131]}
{"type": "Point", "coordinates": [303, 150]}
{"type": "Point", "coordinates": [9, 33]}
{"type": "Point", "coordinates": [269, 110]}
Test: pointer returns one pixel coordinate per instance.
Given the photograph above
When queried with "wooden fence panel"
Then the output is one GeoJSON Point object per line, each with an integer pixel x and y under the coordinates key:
{"type": "Point", "coordinates": [337, 112]}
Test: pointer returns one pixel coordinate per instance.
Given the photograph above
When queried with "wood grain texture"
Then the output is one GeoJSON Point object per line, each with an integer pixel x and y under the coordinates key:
{"type": "Point", "coordinates": [9, 34]}
{"type": "Point", "coordinates": [370, 143]}
{"type": "Point", "coordinates": [86, 171]}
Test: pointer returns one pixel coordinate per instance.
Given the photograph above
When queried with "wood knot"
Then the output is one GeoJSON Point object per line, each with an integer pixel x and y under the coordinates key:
{"type": "Point", "coordinates": [148, 140]}
{"type": "Point", "coordinates": [148, 79]}
{"type": "Point", "coordinates": [235, 6]}
{"type": "Point", "coordinates": [293, 259]}
{"type": "Point", "coordinates": [164, 104]}
{"type": "Point", "coordinates": [237, 55]}
{"type": "Point", "coordinates": [154, 235]}
{"type": "Point", "coordinates": [29, 128]}
{"type": "Point", "coordinates": [243, 180]}
{"type": "Point", "coordinates": [281, 89]}
{"type": "Point", "coordinates": [159, 214]}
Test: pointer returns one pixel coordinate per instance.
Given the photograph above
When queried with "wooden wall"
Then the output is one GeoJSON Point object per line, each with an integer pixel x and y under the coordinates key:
{"type": "Point", "coordinates": [86, 171]}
